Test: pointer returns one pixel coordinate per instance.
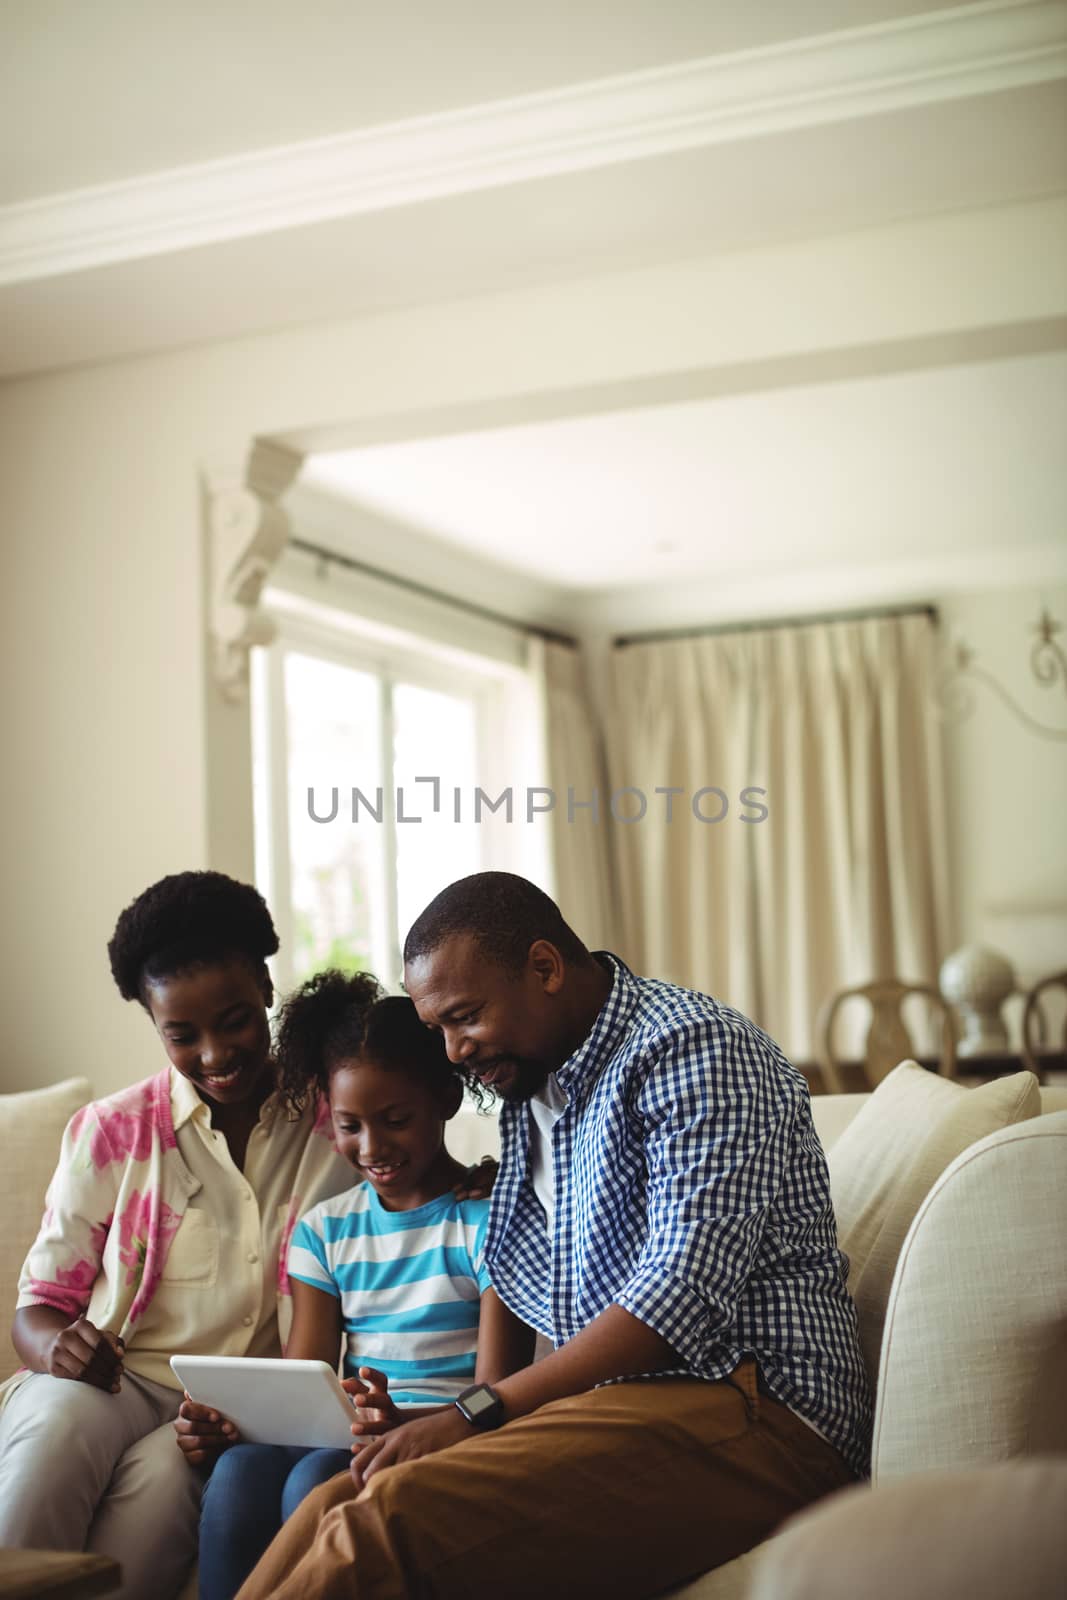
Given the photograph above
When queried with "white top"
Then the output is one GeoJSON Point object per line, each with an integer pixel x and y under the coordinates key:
{"type": "Point", "coordinates": [546, 1108]}
{"type": "Point", "coordinates": [218, 1293]}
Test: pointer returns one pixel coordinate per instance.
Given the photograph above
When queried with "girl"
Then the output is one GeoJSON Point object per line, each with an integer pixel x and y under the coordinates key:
{"type": "Point", "coordinates": [395, 1265]}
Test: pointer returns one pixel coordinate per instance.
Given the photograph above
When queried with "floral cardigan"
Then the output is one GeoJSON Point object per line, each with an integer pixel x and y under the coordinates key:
{"type": "Point", "coordinates": [118, 1197]}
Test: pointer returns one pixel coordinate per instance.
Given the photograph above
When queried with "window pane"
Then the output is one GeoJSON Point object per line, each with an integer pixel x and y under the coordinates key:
{"type": "Point", "coordinates": [338, 886]}
{"type": "Point", "coordinates": [435, 735]}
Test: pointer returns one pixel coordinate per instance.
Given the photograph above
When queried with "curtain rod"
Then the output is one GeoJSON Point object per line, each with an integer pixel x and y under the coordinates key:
{"type": "Point", "coordinates": [352, 565]}
{"type": "Point", "coordinates": [666, 635]}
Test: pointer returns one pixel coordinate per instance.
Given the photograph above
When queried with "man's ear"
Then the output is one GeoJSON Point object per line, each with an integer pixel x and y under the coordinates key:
{"type": "Point", "coordinates": [266, 984]}
{"type": "Point", "coordinates": [547, 965]}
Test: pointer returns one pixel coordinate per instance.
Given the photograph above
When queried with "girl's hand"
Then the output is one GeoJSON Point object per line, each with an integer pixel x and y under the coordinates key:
{"type": "Point", "coordinates": [87, 1354]}
{"type": "Point", "coordinates": [202, 1433]}
{"type": "Point", "coordinates": [478, 1181]}
{"type": "Point", "coordinates": [376, 1412]}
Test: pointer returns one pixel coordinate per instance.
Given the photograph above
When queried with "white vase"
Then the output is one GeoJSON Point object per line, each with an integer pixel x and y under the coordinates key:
{"type": "Point", "coordinates": [976, 981]}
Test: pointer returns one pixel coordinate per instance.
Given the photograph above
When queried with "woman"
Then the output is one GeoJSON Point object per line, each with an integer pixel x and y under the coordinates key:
{"type": "Point", "coordinates": [165, 1231]}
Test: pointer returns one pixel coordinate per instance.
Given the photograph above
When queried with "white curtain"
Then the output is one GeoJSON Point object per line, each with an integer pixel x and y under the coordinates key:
{"type": "Point", "coordinates": [574, 754]}
{"type": "Point", "coordinates": [845, 879]}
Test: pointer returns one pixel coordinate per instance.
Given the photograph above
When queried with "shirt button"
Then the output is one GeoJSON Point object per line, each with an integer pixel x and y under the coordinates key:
{"type": "Point", "coordinates": [248, 1194]}
{"type": "Point", "coordinates": [252, 1256]}
{"type": "Point", "coordinates": [247, 1322]}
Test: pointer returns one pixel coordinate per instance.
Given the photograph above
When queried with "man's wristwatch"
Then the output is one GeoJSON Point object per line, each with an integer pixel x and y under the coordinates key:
{"type": "Point", "coordinates": [482, 1407]}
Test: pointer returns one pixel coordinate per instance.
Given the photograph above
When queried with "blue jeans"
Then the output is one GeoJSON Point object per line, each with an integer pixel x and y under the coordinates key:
{"type": "Point", "coordinates": [252, 1490]}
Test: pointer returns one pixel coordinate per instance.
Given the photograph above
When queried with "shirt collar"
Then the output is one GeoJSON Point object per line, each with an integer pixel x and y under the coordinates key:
{"type": "Point", "coordinates": [599, 1043]}
{"type": "Point", "coordinates": [187, 1106]}
{"type": "Point", "coordinates": [185, 1103]}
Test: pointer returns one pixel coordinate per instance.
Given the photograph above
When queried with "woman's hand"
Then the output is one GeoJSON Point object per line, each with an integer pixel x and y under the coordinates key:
{"type": "Point", "coordinates": [422, 1437]}
{"type": "Point", "coordinates": [376, 1411]}
{"type": "Point", "coordinates": [87, 1354]}
{"type": "Point", "coordinates": [202, 1432]}
{"type": "Point", "coordinates": [477, 1182]}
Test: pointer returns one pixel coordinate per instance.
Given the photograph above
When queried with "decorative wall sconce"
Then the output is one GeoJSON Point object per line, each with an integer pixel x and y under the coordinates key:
{"type": "Point", "coordinates": [954, 695]}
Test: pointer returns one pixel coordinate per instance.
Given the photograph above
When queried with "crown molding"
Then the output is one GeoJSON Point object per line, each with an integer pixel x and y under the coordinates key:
{"type": "Point", "coordinates": [942, 55]}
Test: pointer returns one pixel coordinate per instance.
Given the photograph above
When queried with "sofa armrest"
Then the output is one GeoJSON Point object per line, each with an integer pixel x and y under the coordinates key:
{"type": "Point", "coordinates": [994, 1531]}
{"type": "Point", "coordinates": [971, 1367]}
{"type": "Point", "coordinates": [31, 1128]}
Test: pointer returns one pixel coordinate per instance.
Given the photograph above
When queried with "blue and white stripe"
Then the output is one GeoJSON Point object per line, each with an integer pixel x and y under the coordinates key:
{"type": "Point", "coordinates": [409, 1282]}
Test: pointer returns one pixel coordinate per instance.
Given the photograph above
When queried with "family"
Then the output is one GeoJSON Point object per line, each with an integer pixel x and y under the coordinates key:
{"type": "Point", "coordinates": [661, 1216]}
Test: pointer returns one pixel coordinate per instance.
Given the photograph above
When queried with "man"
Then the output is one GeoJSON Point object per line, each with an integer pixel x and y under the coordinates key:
{"type": "Point", "coordinates": [663, 1215]}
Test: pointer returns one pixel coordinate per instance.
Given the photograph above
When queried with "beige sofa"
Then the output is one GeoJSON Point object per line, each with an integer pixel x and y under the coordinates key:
{"type": "Point", "coordinates": [952, 1205]}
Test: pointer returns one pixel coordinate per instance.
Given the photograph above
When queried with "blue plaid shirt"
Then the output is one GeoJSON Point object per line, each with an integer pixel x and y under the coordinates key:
{"type": "Point", "coordinates": [692, 1190]}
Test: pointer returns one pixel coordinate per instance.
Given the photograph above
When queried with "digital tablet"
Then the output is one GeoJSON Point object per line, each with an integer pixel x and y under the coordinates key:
{"type": "Point", "coordinates": [272, 1401]}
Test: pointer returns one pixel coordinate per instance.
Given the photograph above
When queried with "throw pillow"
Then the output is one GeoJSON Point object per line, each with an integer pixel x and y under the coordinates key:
{"type": "Point", "coordinates": [888, 1159]}
{"type": "Point", "coordinates": [31, 1127]}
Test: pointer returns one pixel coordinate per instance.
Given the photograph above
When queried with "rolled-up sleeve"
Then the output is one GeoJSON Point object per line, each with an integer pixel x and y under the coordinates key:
{"type": "Point", "coordinates": [716, 1141]}
{"type": "Point", "coordinates": [65, 1259]}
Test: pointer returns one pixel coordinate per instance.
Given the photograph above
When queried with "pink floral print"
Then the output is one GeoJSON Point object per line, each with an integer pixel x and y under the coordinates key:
{"type": "Point", "coordinates": [125, 1128]}
{"type": "Point", "coordinates": [146, 1228]}
{"type": "Point", "coordinates": [292, 1216]}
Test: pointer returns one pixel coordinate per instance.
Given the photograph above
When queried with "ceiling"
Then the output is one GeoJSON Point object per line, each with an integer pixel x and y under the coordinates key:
{"type": "Point", "coordinates": [881, 476]}
{"type": "Point", "coordinates": [124, 87]}
{"type": "Point", "coordinates": [204, 172]}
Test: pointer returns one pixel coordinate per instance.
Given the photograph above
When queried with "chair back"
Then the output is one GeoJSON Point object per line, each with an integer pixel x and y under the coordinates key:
{"type": "Point", "coordinates": [1035, 1034]}
{"type": "Point", "coordinates": [888, 1040]}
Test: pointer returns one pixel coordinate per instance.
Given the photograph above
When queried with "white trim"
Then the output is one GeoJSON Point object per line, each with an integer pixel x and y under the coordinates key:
{"type": "Point", "coordinates": [969, 50]}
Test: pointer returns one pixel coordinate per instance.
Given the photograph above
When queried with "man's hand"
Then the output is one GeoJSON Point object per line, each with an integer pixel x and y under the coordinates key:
{"type": "Point", "coordinates": [203, 1434]}
{"type": "Point", "coordinates": [422, 1437]}
{"type": "Point", "coordinates": [376, 1411]}
{"type": "Point", "coordinates": [86, 1354]}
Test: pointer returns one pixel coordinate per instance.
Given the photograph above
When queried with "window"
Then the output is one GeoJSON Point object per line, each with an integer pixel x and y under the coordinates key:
{"type": "Point", "coordinates": [378, 760]}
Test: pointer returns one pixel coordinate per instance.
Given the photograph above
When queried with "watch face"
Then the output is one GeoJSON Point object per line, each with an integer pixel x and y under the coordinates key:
{"type": "Point", "coordinates": [478, 1403]}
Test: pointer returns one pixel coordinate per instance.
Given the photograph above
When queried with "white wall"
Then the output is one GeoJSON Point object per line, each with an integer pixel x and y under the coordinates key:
{"type": "Point", "coordinates": [1007, 785]}
{"type": "Point", "coordinates": [106, 728]}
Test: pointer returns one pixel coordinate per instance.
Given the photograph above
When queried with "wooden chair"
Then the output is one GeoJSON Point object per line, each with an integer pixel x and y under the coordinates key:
{"type": "Point", "coordinates": [1035, 1052]}
{"type": "Point", "coordinates": [888, 1041]}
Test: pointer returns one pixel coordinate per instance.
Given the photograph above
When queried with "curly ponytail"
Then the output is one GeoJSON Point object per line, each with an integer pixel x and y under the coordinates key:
{"type": "Point", "coordinates": [323, 1021]}
{"type": "Point", "coordinates": [339, 1016]}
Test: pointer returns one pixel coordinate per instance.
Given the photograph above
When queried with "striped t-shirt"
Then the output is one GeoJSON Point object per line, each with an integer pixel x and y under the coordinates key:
{"type": "Point", "coordinates": [409, 1283]}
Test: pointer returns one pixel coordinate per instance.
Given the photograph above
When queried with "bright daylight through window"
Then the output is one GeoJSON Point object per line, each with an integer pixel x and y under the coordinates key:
{"type": "Point", "coordinates": [369, 754]}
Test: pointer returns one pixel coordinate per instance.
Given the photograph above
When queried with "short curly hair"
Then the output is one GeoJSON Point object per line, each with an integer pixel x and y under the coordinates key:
{"type": "Point", "coordinates": [188, 919]}
{"type": "Point", "coordinates": [337, 1016]}
{"type": "Point", "coordinates": [504, 913]}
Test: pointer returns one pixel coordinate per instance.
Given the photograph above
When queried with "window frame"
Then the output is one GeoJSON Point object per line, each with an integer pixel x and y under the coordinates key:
{"type": "Point", "coordinates": [362, 645]}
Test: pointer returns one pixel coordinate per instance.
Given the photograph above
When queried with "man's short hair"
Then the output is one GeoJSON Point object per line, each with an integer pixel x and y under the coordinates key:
{"type": "Point", "coordinates": [504, 913]}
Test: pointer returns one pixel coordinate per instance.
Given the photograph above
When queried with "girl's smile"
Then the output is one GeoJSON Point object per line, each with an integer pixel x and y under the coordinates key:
{"type": "Point", "coordinates": [390, 1125]}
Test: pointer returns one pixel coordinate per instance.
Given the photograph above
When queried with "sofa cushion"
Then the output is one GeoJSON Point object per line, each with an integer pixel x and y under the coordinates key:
{"type": "Point", "coordinates": [31, 1127]}
{"type": "Point", "coordinates": [887, 1160]}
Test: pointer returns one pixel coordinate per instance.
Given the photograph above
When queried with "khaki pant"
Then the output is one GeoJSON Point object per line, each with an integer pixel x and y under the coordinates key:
{"type": "Point", "coordinates": [83, 1469]}
{"type": "Point", "coordinates": [622, 1491]}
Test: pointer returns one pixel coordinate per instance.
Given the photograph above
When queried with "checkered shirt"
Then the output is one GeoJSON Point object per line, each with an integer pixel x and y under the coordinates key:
{"type": "Point", "coordinates": [692, 1190]}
